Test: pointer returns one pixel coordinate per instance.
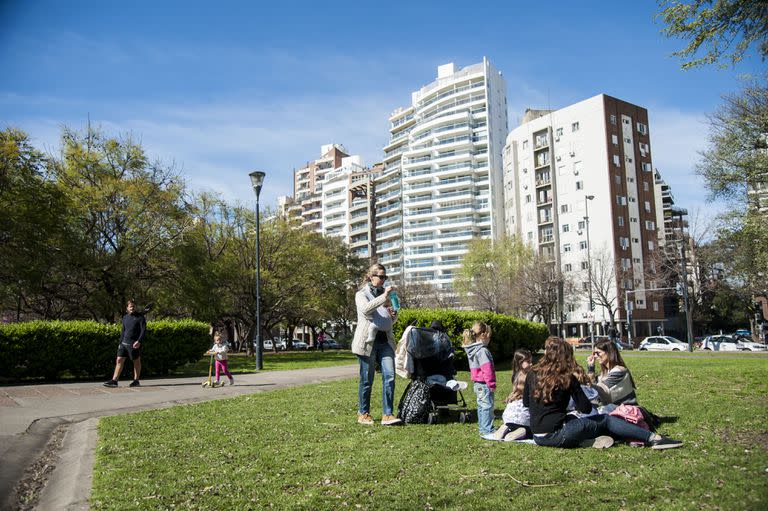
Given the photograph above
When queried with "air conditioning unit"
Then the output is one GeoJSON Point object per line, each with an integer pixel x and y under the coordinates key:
{"type": "Point", "coordinates": [572, 153]}
{"type": "Point", "coordinates": [558, 158]}
{"type": "Point", "coordinates": [575, 172]}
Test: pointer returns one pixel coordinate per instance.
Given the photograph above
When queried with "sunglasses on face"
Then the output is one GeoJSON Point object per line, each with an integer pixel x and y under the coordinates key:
{"type": "Point", "coordinates": [382, 277]}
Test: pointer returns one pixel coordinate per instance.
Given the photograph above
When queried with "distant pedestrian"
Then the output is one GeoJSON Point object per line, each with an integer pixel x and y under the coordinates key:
{"type": "Point", "coordinates": [321, 341]}
{"type": "Point", "coordinates": [131, 336]}
{"type": "Point", "coordinates": [220, 349]}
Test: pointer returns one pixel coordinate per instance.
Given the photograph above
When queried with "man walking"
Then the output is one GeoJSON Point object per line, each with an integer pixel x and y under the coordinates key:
{"type": "Point", "coordinates": [131, 336]}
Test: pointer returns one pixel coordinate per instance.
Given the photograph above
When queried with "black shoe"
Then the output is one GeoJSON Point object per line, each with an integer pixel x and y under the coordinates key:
{"type": "Point", "coordinates": [665, 443]}
{"type": "Point", "coordinates": [135, 383]}
{"type": "Point", "coordinates": [110, 383]}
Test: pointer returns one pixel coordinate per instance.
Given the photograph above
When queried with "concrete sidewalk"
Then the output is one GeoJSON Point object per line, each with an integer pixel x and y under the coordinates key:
{"type": "Point", "coordinates": [29, 415]}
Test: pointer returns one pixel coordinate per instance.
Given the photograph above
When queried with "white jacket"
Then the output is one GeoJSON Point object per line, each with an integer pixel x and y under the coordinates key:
{"type": "Point", "coordinates": [366, 306]}
{"type": "Point", "coordinates": [220, 350]}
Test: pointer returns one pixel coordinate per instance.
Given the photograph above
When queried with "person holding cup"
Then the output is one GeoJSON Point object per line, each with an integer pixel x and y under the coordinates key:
{"type": "Point", "coordinates": [374, 344]}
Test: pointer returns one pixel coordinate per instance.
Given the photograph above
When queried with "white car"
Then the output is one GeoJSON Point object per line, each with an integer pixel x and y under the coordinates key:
{"type": "Point", "coordinates": [662, 343]}
{"type": "Point", "coordinates": [752, 346]}
{"type": "Point", "coordinates": [721, 343]}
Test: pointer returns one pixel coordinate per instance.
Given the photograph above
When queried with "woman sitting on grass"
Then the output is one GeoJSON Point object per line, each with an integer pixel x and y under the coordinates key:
{"type": "Point", "coordinates": [614, 384]}
{"type": "Point", "coordinates": [548, 388]}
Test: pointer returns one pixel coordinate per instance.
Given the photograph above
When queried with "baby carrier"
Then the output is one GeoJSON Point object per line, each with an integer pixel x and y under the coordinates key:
{"type": "Point", "coordinates": [427, 398]}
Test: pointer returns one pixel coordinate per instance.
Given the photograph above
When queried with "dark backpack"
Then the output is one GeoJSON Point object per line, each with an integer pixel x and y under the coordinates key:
{"type": "Point", "coordinates": [414, 404]}
{"type": "Point", "coordinates": [650, 418]}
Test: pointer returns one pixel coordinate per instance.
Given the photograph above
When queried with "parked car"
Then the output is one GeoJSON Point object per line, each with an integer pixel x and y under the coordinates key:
{"type": "Point", "coordinates": [268, 344]}
{"type": "Point", "coordinates": [331, 344]}
{"type": "Point", "coordinates": [662, 343]}
{"type": "Point", "coordinates": [743, 332]}
{"type": "Point", "coordinates": [748, 345]}
{"type": "Point", "coordinates": [721, 343]}
{"type": "Point", "coordinates": [298, 344]}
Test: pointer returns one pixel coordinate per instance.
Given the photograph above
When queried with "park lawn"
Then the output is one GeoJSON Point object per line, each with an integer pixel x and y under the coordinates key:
{"type": "Point", "coordinates": [280, 361]}
{"type": "Point", "coordinates": [300, 448]}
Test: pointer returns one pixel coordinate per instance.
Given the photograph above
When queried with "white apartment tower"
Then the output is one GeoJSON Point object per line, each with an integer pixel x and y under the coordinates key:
{"type": "Point", "coordinates": [579, 181]}
{"type": "Point", "coordinates": [441, 183]}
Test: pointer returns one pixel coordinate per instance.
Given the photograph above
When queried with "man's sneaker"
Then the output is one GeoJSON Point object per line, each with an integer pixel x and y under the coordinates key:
{"type": "Point", "coordinates": [135, 383]}
{"type": "Point", "coordinates": [515, 434]}
{"type": "Point", "coordinates": [365, 418]}
{"type": "Point", "coordinates": [665, 443]}
{"type": "Point", "coordinates": [601, 442]}
{"type": "Point", "coordinates": [390, 420]}
{"type": "Point", "coordinates": [110, 383]}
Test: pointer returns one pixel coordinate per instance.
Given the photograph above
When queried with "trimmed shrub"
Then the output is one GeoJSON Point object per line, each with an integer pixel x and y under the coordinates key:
{"type": "Point", "coordinates": [509, 333]}
{"type": "Point", "coordinates": [87, 349]}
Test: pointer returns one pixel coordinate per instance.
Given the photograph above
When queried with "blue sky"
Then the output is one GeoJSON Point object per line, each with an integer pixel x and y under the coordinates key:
{"type": "Point", "coordinates": [221, 89]}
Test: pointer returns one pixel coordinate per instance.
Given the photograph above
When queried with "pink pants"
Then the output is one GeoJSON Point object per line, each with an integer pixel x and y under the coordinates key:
{"type": "Point", "coordinates": [222, 365]}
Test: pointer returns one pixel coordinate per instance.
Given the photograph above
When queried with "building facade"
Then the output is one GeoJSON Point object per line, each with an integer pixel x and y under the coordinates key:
{"type": "Point", "coordinates": [579, 188]}
{"type": "Point", "coordinates": [441, 181]}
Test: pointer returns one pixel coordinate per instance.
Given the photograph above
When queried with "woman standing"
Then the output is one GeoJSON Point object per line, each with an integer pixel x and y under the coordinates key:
{"type": "Point", "coordinates": [551, 385]}
{"type": "Point", "coordinates": [374, 344]}
{"type": "Point", "coordinates": [614, 384]}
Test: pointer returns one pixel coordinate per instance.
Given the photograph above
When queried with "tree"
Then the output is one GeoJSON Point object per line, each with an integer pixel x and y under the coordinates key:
{"type": "Point", "coordinates": [735, 168]}
{"type": "Point", "coordinates": [490, 272]}
{"type": "Point", "coordinates": [128, 212]}
{"type": "Point", "coordinates": [716, 26]}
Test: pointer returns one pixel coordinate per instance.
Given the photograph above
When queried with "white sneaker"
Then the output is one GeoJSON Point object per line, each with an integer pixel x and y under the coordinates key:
{"type": "Point", "coordinates": [231, 381]}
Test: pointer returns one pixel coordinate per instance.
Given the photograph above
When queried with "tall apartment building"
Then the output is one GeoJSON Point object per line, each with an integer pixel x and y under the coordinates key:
{"type": "Point", "coordinates": [441, 181]}
{"type": "Point", "coordinates": [591, 157]}
{"type": "Point", "coordinates": [328, 200]}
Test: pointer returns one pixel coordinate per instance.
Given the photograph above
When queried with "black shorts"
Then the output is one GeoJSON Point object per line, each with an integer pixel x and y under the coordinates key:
{"type": "Point", "coordinates": [128, 351]}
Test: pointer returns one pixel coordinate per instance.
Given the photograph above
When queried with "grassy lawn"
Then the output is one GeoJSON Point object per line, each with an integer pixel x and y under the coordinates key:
{"type": "Point", "coordinates": [300, 448]}
{"type": "Point", "coordinates": [280, 361]}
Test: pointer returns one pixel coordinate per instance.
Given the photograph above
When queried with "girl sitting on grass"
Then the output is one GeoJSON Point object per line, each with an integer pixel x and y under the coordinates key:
{"type": "Point", "coordinates": [516, 418]}
{"type": "Point", "coordinates": [550, 385]}
{"type": "Point", "coordinates": [614, 384]}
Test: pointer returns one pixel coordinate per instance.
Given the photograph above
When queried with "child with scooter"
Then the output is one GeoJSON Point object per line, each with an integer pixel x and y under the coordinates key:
{"type": "Point", "coordinates": [219, 352]}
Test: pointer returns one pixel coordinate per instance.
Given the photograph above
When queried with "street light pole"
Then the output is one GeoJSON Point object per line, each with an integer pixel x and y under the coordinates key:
{"type": "Point", "coordinates": [591, 318]}
{"type": "Point", "coordinates": [257, 179]}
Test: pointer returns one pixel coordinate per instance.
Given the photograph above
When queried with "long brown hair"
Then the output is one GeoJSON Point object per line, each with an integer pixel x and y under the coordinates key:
{"type": "Point", "coordinates": [614, 358]}
{"type": "Point", "coordinates": [554, 370]}
{"type": "Point", "coordinates": [519, 374]}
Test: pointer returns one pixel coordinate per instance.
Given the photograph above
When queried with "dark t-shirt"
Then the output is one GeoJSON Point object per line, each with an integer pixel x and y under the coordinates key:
{"type": "Point", "coordinates": [134, 328]}
{"type": "Point", "coordinates": [550, 417]}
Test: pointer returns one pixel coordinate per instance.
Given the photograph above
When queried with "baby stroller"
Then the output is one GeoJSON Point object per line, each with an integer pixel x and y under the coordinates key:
{"type": "Point", "coordinates": [427, 399]}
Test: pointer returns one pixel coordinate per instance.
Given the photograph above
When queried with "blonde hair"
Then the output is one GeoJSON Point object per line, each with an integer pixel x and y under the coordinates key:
{"type": "Point", "coordinates": [216, 336]}
{"type": "Point", "coordinates": [372, 268]}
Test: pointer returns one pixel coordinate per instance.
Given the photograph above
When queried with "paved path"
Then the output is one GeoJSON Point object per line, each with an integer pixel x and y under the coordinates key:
{"type": "Point", "coordinates": [29, 414]}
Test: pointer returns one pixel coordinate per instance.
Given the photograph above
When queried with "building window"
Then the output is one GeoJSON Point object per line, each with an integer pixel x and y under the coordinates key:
{"type": "Point", "coordinates": [528, 199]}
{"type": "Point", "coordinates": [624, 243]}
{"type": "Point", "coordinates": [629, 160]}
{"type": "Point", "coordinates": [651, 226]}
{"type": "Point", "coordinates": [575, 127]}
{"type": "Point", "coordinates": [651, 245]}
{"type": "Point", "coordinates": [579, 185]}
{"type": "Point", "coordinates": [585, 286]}
{"type": "Point", "coordinates": [620, 221]}
{"type": "Point", "coordinates": [584, 265]}
{"type": "Point", "coordinates": [581, 225]}
{"type": "Point", "coordinates": [656, 306]}
{"type": "Point", "coordinates": [615, 140]}
{"type": "Point", "coordinates": [633, 219]}
{"type": "Point", "coordinates": [566, 228]}
{"type": "Point", "coordinates": [568, 267]}
{"type": "Point", "coordinates": [621, 200]}
{"type": "Point", "coordinates": [617, 179]}
{"type": "Point", "coordinates": [582, 245]}
{"type": "Point", "coordinates": [559, 132]}
{"type": "Point", "coordinates": [567, 247]}
{"type": "Point", "coordinates": [645, 186]}
{"type": "Point", "coordinates": [635, 240]}
{"type": "Point", "coordinates": [616, 160]}
{"type": "Point", "coordinates": [525, 144]}
{"type": "Point", "coordinates": [530, 235]}
{"type": "Point", "coordinates": [646, 167]}
{"type": "Point", "coordinates": [647, 206]}
{"type": "Point", "coordinates": [642, 128]}
{"type": "Point", "coordinates": [613, 119]}
{"type": "Point", "coordinates": [564, 208]}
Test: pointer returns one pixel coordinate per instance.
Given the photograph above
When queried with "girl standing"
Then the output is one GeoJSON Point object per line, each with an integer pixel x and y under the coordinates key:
{"type": "Point", "coordinates": [220, 349]}
{"type": "Point", "coordinates": [475, 343]}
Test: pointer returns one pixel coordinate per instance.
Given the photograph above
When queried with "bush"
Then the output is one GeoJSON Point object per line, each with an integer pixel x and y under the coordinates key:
{"type": "Point", "coordinates": [85, 348]}
{"type": "Point", "coordinates": [509, 333]}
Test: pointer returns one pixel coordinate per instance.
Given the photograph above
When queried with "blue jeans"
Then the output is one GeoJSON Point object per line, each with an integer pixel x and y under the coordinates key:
{"type": "Point", "coordinates": [484, 407]}
{"type": "Point", "coordinates": [576, 431]}
{"type": "Point", "coordinates": [385, 356]}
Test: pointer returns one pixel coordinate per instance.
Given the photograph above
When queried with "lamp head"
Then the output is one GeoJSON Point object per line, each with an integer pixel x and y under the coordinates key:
{"type": "Point", "coordinates": [589, 197]}
{"type": "Point", "coordinates": [257, 178]}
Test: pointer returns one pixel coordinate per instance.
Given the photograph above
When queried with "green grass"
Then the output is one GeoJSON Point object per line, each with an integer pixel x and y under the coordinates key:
{"type": "Point", "coordinates": [300, 448]}
{"type": "Point", "coordinates": [280, 361]}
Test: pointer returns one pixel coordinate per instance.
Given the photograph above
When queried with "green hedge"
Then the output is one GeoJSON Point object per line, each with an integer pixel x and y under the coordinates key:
{"type": "Point", "coordinates": [509, 333]}
{"type": "Point", "coordinates": [48, 349]}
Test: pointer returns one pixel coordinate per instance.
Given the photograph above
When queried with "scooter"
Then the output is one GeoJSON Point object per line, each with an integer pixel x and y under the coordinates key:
{"type": "Point", "coordinates": [209, 382]}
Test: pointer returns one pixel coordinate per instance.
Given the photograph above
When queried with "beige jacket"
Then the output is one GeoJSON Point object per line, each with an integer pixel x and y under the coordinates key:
{"type": "Point", "coordinates": [361, 344]}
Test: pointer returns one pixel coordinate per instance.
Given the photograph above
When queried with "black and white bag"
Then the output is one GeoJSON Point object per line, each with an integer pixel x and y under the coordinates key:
{"type": "Point", "coordinates": [415, 403]}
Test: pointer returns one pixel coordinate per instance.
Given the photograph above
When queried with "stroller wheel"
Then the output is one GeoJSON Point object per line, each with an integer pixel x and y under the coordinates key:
{"type": "Point", "coordinates": [432, 418]}
{"type": "Point", "coordinates": [463, 417]}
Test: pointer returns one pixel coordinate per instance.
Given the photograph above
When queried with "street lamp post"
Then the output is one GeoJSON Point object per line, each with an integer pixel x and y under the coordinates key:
{"type": "Point", "coordinates": [257, 179]}
{"type": "Point", "coordinates": [591, 318]}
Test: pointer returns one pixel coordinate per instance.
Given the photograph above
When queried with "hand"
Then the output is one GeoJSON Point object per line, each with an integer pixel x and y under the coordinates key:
{"type": "Point", "coordinates": [389, 289]}
{"type": "Point", "coordinates": [591, 359]}
{"type": "Point", "coordinates": [392, 312]}
{"type": "Point", "coordinates": [136, 345]}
